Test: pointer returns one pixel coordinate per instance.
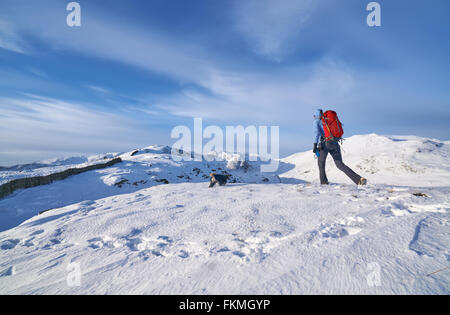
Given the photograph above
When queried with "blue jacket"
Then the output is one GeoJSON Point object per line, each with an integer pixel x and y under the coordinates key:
{"type": "Point", "coordinates": [317, 127]}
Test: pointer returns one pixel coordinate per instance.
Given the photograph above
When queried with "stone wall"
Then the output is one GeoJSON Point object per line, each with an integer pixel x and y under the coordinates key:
{"type": "Point", "coordinates": [28, 182]}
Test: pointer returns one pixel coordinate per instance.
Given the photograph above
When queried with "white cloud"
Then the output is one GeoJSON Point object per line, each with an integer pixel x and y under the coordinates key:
{"type": "Point", "coordinates": [253, 97]}
{"type": "Point", "coordinates": [39, 124]}
{"type": "Point", "coordinates": [107, 36]}
{"type": "Point", "coordinates": [37, 72]}
{"type": "Point", "coordinates": [232, 95]}
{"type": "Point", "coordinates": [98, 89]}
{"type": "Point", "coordinates": [133, 46]}
{"type": "Point", "coordinates": [10, 40]}
{"type": "Point", "coordinates": [270, 25]}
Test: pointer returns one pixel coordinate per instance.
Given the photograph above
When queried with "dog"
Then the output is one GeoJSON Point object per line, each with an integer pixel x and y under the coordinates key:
{"type": "Point", "coordinates": [216, 178]}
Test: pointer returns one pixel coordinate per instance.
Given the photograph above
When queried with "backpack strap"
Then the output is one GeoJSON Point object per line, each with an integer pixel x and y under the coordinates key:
{"type": "Point", "coordinates": [326, 125]}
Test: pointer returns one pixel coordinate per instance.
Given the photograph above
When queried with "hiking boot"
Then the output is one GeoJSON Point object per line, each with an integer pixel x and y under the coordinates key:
{"type": "Point", "coordinates": [362, 182]}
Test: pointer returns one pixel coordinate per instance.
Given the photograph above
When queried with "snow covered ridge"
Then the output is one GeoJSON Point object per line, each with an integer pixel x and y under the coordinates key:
{"type": "Point", "coordinates": [150, 225]}
{"type": "Point", "coordinates": [395, 160]}
{"type": "Point", "coordinates": [59, 165]}
{"type": "Point", "coordinates": [48, 167]}
{"type": "Point", "coordinates": [139, 169]}
{"type": "Point", "coordinates": [374, 156]}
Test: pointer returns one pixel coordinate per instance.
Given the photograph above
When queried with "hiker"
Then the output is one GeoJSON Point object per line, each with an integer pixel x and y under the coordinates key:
{"type": "Point", "coordinates": [327, 133]}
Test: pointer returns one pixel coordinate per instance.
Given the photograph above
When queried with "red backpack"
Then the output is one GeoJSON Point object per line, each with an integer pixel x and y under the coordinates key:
{"type": "Point", "coordinates": [331, 125]}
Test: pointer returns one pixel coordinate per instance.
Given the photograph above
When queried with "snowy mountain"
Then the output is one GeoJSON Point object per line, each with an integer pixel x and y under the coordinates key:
{"type": "Point", "coordinates": [398, 160]}
{"type": "Point", "coordinates": [151, 225]}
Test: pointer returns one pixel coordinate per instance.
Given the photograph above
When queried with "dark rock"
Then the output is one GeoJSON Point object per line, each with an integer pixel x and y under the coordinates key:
{"type": "Point", "coordinates": [134, 152]}
{"type": "Point", "coordinates": [29, 182]}
{"type": "Point", "coordinates": [419, 194]}
{"type": "Point", "coordinates": [162, 180]}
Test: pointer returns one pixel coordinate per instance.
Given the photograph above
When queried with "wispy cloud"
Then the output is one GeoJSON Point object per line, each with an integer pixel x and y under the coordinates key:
{"type": "Point", "coordinates": [265, 61]}
{"type": "Point", "coordinates": [35, 123]}
{"type": "Point", "coordinates": [37, 72]}
{"type": "Point", "coordinates": [271, 25]}
{"type": "Point", "coordinates": [225, 93]}
{"type": "Point", "coordinates": [234, 94]}
{"type": "Point", "coordinates": [261, 98]}
{"type": "Point", "coordinates": [98, 89]}
{"type": "Point", "coordinates": [115, 39]}
{"type": "Point", "coordinates": [10, 40]}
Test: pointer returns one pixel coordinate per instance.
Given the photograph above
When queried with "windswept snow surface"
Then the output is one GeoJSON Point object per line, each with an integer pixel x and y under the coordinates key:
{"type": "Point", "coordinates": [255, 236]}
{"type": "Point", "coordinates": [146, 168]}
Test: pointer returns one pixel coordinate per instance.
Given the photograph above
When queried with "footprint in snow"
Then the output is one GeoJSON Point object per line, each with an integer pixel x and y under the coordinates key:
{"type": "Point", "coordinates": [161, 246]}
{"type": "Point", "coordinates": [9, 244]}
{"type": "Point", "coordinates": [98, 242]}
{"type": "Point", "coordinates": [10, 271]}
{"type": "Point", "coordinates": [37, 232]}
{"type": "Point", "coordinates": [253, 247]}
{"type": "Point", "coordinates": [345, 227]}
{"type": "Point", "coordinates": [183, 254]}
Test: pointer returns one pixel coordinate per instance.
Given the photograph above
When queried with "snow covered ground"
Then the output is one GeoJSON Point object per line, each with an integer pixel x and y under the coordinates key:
{"type": "Point", "coordinates": [151, 225]}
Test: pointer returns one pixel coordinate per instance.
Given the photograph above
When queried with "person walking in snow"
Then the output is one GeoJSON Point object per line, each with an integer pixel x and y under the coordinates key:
{"type": "Point", "coordinates": [327, 141]}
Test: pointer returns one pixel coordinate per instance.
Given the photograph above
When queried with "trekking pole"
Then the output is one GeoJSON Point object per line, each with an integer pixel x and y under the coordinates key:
{"type": "Point", "coordinates": [342, 144]}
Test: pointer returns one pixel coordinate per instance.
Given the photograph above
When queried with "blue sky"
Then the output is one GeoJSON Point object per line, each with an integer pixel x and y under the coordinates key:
{"type": "Point", "coordinates": [135, 69]}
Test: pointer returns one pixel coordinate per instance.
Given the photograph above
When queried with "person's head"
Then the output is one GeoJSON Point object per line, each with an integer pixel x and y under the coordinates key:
{"type": "Point", "coordinates": [318, 114]}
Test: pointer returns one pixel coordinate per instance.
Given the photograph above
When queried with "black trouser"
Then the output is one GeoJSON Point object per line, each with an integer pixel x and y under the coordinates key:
{"type": "Point", "coordinates": [335, 150]}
